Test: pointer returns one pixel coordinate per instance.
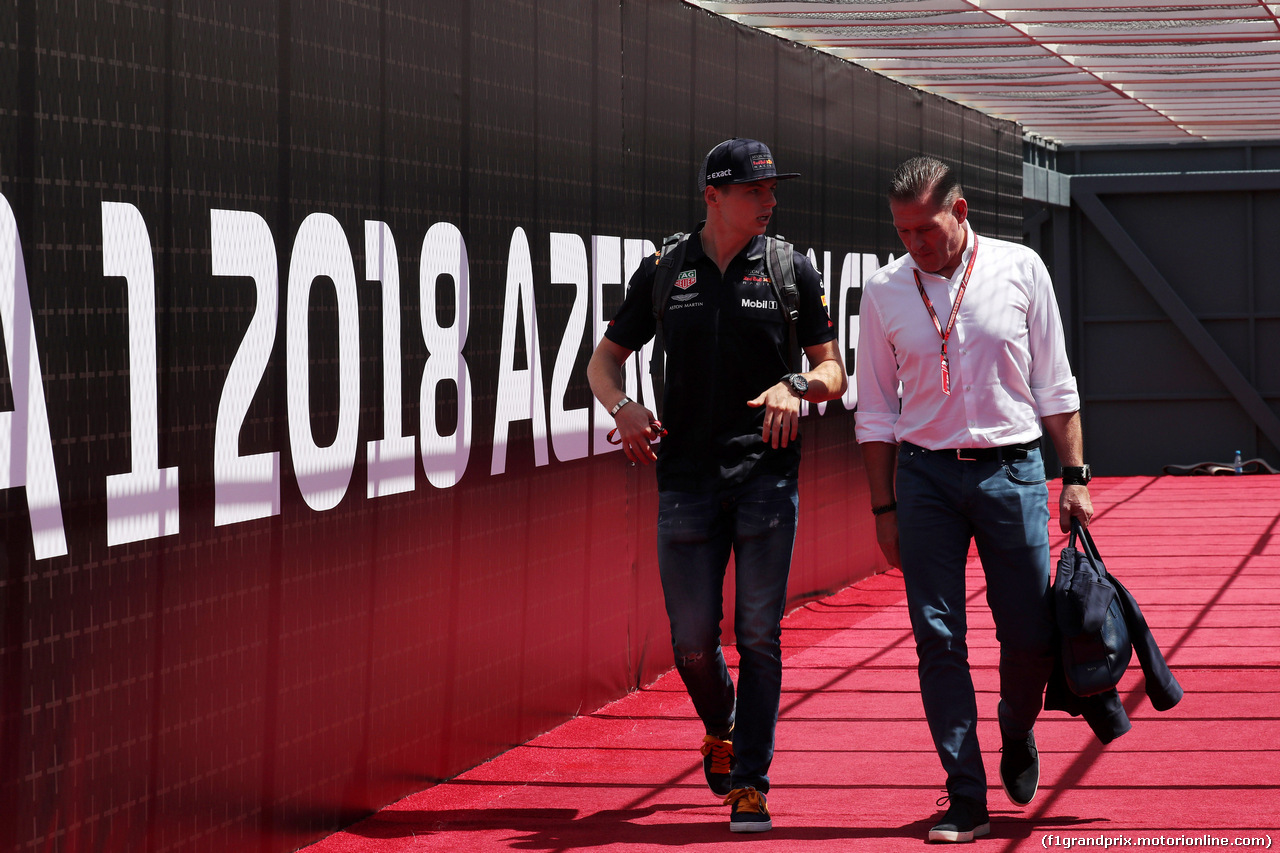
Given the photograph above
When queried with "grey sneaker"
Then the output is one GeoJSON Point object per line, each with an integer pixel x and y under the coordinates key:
{"type": "Point", "coordinates": [1019, 768]}
{"type": "Point", "coordinates": [965, 820]}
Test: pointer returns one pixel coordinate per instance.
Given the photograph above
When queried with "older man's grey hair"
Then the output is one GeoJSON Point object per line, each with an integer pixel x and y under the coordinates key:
{"type": "Point", "coordinates": [925, 178]}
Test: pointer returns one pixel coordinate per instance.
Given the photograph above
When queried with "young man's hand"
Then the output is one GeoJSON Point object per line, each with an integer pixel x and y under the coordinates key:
{"type": "Point", "coordinates": [781, 414]}
{"type": "Point", "coordinates": [637, 429]}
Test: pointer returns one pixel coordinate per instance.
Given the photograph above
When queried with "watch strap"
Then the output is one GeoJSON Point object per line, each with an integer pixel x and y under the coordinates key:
{"type": "Point", "coordinates": [797, 383]}
{"type": "Point", "coordinates": [1076, 475]}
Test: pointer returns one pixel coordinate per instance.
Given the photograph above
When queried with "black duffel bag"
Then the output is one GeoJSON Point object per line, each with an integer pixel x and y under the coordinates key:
{"type": "Point", "coordinates": [1096, 648]}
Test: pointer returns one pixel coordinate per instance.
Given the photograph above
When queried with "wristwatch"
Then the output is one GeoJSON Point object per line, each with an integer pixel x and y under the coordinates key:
{"type": "Point", "coordinates": [799, 385]}
{"type": "Point", "coordinates": [1076, 475]}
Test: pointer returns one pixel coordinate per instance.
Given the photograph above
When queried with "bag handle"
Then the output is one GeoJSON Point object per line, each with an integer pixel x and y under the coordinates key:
{"type": "Point", "coordinates": [1087, 547]}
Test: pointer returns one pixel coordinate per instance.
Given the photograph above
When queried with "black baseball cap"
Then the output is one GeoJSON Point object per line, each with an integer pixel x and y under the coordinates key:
{"type": "Point", "coordinates": [738, 161]}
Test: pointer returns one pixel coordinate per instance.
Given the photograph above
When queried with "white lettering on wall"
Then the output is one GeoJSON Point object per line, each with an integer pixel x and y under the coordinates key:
{"type": "Point", "coordinates": [520, 396]}
{"type": "Point", "coordinates": [570, 428]}
{"type": "Point", "coordinates": [245, 487]}
{"type": "Point", "coordinates": [142, 504]}
{"type": "Point", "coordinates": [444, 456]}
{"type": "Point", "coordinates": [634, 253]}
{"type": "Point", "coordinates": [857, 269]}
{"type": "Point", "coordinates": [26, 445]}
{"type": "Point", "coordinates": [321, 249]}
{"type": "Point", "coordinates": [390, 460]}
{"type": "Point", "coordinates": [825, 269]}
{"type": "Point", "coordinates": [606, 259]}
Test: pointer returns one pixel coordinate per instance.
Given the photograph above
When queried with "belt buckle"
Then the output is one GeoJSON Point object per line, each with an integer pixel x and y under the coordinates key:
{"type": "Point", "coordinates": [961, 451]}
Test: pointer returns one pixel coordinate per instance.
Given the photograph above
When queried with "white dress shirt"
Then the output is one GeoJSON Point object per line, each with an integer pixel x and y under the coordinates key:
{"type": "Point", "coordinates": [1007, 354]}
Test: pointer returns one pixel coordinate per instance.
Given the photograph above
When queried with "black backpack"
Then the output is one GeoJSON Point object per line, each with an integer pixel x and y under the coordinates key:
{"type": "Point", "coordinates": [782, 276]}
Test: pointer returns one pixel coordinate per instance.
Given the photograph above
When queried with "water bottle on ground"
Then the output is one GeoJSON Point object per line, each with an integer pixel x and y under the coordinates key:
{"type": "Point", "coordinates": [1239, 464]}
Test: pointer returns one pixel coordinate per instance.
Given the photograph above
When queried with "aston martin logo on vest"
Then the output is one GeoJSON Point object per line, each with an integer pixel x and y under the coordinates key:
{"type": "Point", "coordinates": [687, 279]}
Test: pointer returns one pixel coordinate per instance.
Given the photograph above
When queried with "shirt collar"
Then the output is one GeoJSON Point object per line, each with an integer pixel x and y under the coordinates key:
{"type": "Point", "coordinates": [753, 251]}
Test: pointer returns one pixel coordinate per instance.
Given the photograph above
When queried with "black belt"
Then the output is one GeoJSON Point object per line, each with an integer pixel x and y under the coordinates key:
{"type": "Point", "coordinates": [988, 454]}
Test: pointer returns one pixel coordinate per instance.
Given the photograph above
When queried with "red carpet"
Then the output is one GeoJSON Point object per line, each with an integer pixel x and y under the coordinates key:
{"type": "Point", "coordinates": [855, 769]}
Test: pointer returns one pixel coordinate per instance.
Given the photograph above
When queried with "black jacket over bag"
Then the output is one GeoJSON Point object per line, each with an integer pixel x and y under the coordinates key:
{"type": "Point", "coordinates": [1104, 711]}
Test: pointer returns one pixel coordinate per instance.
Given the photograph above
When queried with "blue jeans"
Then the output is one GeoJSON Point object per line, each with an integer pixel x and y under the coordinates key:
{"type": "Point", "coordinates": [696, 531]}
{"type": "Point", "coordinates": [1003, 506]}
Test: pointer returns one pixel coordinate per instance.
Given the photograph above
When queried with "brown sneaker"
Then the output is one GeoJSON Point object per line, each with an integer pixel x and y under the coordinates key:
{"type": "Point", "coordinates": [717, 763]}
{"type": "Point", "coordinates": [750, 813]}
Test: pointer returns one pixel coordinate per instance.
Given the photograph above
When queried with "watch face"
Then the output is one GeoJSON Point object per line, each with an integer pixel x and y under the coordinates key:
{"type": "Point", "coordinates": [799, 383]}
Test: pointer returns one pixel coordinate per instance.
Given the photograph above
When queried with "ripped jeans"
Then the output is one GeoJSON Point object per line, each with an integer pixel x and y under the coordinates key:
{"type": "Point", "coordinates": [696, 531]}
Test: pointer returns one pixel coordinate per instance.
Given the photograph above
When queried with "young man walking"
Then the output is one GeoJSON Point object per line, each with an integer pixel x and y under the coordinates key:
{"type": "Point", "coordinates": [728, 463]}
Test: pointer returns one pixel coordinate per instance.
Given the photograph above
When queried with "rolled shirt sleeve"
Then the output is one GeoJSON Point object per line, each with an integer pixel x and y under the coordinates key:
{"type": "Point", "coordinates": [1052, 384]}
{"type": "Point", "coordinates": [876, 374]}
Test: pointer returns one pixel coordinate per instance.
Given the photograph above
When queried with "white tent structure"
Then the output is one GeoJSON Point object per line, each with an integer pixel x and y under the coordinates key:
{"type": "Point", "coordinates": [1068, 71]}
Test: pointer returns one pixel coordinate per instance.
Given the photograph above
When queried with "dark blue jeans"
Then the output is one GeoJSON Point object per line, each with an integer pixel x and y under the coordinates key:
{"type": "Point", "coordinates": [696, 531]}
{"type": "Point", "coordinates": [1003, 506]}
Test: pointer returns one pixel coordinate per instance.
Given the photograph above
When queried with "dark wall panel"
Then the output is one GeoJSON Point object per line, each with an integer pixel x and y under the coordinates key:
{"type": "Point", "coordinates": [306, 503]}
{"type": "Point", "coordinates": [1192, 377]}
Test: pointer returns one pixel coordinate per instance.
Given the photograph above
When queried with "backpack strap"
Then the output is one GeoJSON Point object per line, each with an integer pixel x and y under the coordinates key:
{"type": "Point", "coordinates": [670, 260]}
{"type": "Point", "coordinates": [782, 274]}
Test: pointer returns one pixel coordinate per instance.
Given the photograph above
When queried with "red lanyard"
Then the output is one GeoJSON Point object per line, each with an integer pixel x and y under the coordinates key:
{"type": "Point", "coordinates": [955, 309]}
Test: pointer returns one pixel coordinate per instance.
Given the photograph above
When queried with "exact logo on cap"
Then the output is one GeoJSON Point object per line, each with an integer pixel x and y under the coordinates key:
{"type": "Point", "coordinates": [738, 161]}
